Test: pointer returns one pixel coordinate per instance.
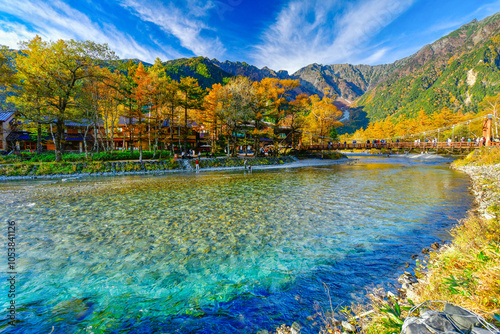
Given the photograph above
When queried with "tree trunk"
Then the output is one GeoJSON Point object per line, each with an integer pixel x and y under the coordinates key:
{"type": "Point", "coordinates": [112, 137]}
{"type": "Point", "coordinates": [130, 136]}
{"type": "Point", "coordinates": [85, 143]}
{"type": "Point", "coordinates": [57, 140]}
{"type": "Point", "coordinates": [139, 124]}
{"type": "Point", "coordinates": [157, 137]}
{"type": "Point", "coordinates": [171, 132]}
{"type": "Point", "coordinates": [185, 128]}
{"type": "Point", "coordinates": [39, 147]}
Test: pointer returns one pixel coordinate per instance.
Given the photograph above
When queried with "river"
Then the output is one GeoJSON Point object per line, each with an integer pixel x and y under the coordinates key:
{"type": "Point", "coordinates": [220, 252]}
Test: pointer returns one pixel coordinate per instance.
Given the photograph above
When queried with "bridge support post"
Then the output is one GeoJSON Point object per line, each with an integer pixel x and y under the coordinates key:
{"type": "Point", "coordinates": [487, 130]}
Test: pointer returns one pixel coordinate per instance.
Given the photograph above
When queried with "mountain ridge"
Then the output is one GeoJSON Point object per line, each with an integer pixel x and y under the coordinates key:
{"type": "Point", "coordinates": [456, 71]}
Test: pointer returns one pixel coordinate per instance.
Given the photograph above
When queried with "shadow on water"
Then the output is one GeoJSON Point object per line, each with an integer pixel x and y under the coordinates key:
{"type": "Point", "coordinates": [347, 277]}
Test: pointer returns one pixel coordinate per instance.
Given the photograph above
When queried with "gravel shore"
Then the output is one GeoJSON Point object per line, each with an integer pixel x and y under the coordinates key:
{"type": "Point", "coordinates": [485, 187]}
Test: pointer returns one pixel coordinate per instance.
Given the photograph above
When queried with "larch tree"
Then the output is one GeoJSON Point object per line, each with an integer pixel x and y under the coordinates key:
{"type": "Point", "coordinates": [191, 98]}
{"type": "Point", "coordinates": [126, 86]}
{"type": "Point", "coordinates": [296, 120]}
{"type": "Point", "coordinates": [100, 102]}
{"type": "Point", "coordinates": [61, 72]}
{"type": "Point", "coordinates": [142, 93]}
{"type": "Point", "coordinates": [323, 116]}
{"type": "Point", "coordinates": [213, 105]}
{"type": "Point", "coordinates": [238, 110]}
{"type": "Point", "coordinates": [260, 107]}
{"type": "Point", "coordinates": [172, 100]}
{"type": "Point", "coordinates": [278, 95]}
{"type": "Point", "coordinates": [158, 101]}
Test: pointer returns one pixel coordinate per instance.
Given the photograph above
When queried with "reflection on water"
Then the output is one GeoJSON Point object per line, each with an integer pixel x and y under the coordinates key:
{"type": "Point", "coordinates": [219, 252]}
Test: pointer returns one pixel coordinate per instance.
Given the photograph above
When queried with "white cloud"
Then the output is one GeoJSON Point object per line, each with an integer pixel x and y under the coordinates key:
{"type": "Point", "coordinates": [12, 33]}
{"type": "Point", "coordinates": [375, 56]}
{"type": "Point", "coordinates": [184, 23]}
{"type": "Point", "coordinates": [306, 32]}
{"type": "Point", "coordinates": [488, 9]}
{"type": "Point", "coordinates": [55, 20]}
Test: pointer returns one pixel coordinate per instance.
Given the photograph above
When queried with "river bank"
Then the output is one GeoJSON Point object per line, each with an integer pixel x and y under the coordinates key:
{"type": "Point", "coordinates": [64, 170]}
{"type": "Point", "coordinates": [465, 271]}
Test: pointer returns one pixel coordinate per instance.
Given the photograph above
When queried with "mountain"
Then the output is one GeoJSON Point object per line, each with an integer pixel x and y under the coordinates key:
{"type": "Point", "coordinates": [249, 71]}
{"type": "Point", "coordinates": [347, 81]}
{"type": "Point", "coordinates": [457, 71]}
{"type": "Point", "coordinates": [203, 69]}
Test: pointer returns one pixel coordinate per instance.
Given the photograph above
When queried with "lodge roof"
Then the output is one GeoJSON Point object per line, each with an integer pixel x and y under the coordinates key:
{"type": "Point", "coordinates": [25, 135]}
{"type": "Point", "coordinates": [18, 135]}
{"type": "Point", "coordinates": [5, 115]}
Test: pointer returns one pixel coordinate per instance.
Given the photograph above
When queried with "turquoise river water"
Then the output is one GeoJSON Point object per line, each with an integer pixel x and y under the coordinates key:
{"type": "Point", "coordinates": [218, 252]}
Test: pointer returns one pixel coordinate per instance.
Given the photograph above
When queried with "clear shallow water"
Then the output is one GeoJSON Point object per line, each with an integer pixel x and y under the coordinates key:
{"type": "Point", "coordinates": [220, 252]}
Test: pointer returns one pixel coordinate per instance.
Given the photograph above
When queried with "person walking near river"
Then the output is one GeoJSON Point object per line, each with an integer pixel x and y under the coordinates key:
{"type": "Point", "coordinates": [197, 164]}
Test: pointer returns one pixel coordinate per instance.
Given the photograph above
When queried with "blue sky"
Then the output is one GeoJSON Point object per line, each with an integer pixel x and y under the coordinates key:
{"type": "Point", "coordinates": [279, 34]}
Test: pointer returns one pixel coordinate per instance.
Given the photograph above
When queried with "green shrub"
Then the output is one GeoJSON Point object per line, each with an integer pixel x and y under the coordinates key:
{"type": "Point", "coordinates": [9, 159]}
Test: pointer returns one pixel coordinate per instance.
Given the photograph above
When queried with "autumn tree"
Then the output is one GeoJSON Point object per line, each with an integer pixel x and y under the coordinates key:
{"type": "Point", "coordinates": [323, 116]}
{"type": "Point", "coordinates": [238, 111]}
{"type": "Point", "coordinates": [27, 86]}
{"type": "Point", "coordinates": [296, 120]}
{"type": "Point", "coordinates": [491, 104]}
{"type": "Point", "coordinates": [142, 92]}
{"type": "Point", "coordinates": [7, 73]}
{"type": "Point", "coordinates": [110, 106]}
{"type": "Point", "coordinates": [158, 109]}
{"type": "Point", "coordinates": [278, 97]}
{"type": "Point", "coordinates": [125, 87]}
{"type": "Point", "coordinates": [260, 107]}
{"type": "Point", "coordinates": [100, 102]}
{"type": "Point", "coordinates": [59, 73]}
{"type": "Point", "coordinates": [191, 98]}
{"type": "Point", "coordinates": [215, 102]}
{"type": "Point", "coordinates": [172, 100]}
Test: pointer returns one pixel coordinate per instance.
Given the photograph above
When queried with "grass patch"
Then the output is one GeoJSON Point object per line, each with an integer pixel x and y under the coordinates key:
{"type": "Point", "coordinates": [467, 272]}
{"type": "Point", "coordinates": [80, 157]}
{"type": "Point", "coordinates": [480, 157]}
{"type": "Point", "coordinates": [52, 168]}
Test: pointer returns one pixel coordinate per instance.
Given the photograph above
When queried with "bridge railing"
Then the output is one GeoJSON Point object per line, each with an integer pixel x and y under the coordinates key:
{"type": "Point", "coordinates": [400, 145]}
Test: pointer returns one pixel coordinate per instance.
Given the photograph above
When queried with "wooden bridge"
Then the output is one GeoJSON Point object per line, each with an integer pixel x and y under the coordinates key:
{"type": "Point", "coordinates": [415, 145]}
{"type": "Point", "coordinates": [405, 146]}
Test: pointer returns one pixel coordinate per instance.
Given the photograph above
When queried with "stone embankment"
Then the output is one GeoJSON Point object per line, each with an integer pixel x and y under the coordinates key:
{"type": "Point", "coordinates": [485, 187]}
{"type": "Point", "coordinates": [26, 171]}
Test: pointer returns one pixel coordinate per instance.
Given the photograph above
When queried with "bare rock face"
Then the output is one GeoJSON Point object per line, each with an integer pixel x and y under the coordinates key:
{"type": "Point", "coordinates": [347, 81]}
